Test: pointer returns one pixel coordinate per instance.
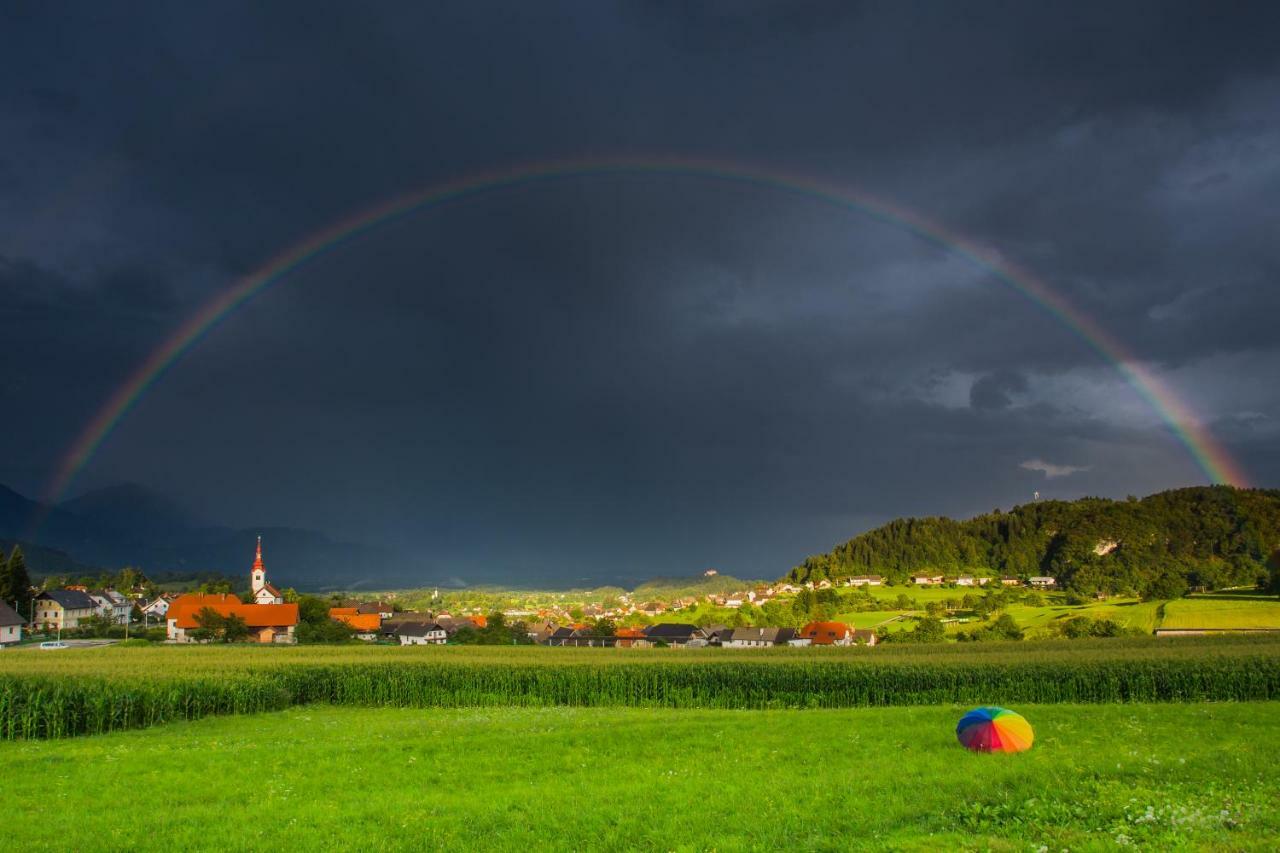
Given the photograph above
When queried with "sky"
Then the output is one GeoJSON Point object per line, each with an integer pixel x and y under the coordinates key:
{"type": "Point", "coordinates": [650, 373]}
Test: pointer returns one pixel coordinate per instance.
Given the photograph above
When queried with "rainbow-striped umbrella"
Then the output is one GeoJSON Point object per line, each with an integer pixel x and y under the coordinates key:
{"type": "Point", "coordinates": [992, 729]}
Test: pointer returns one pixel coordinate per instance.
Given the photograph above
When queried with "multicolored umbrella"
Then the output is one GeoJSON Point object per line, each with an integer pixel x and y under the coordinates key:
{"type": "Point", "coordinates": [992, 729]}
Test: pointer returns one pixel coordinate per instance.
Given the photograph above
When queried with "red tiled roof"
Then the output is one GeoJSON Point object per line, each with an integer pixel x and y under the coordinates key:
{"type": "Point", "coordinates": [359, 621]}
{"type": "Point", "coordinates": [185, 608]}
{"type": "Point", "coordinates": [336, 612]}
{"type": "Point", "coordinates": [824, 633]}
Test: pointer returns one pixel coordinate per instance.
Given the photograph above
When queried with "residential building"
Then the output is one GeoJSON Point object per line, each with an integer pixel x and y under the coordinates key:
{"type": "Point", "coordinates": [62, 609]}
{"type": "Point", "coordinates": [927, 580]}
{"type": "Point", "coordinates": [1042, 582]}
{"type": "Point", "coordinates": [160, 607]}
{"type": "Point", "coordinates": [866, 580]}
{"type": "Point", "coordinates": [10, 625]}
{"type": "Point", "coordinates": [112, 605]}
{"type": "Point", "coordinates": [825, 634]}
{"type": "Point", "coordinates": [756, 638]}
{"type": "Point", "coordinates": [966, 580]}
{"type": "Point", "coordinates": [1008, 581]}
{"type": "Point", "coordinates": [421, 634]}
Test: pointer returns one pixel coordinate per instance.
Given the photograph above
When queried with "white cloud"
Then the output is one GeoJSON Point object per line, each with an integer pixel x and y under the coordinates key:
{"type": "Point", "coordinates": [1050, 470]}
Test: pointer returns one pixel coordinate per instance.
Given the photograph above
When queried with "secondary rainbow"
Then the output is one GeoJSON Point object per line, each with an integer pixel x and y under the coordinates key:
{"type": "Point", "coordinates": [1211, 456]}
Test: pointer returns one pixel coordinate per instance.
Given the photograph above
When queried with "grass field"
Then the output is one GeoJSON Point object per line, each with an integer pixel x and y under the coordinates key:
{"type": "Point", "coordinates": [1099, 777]}
{"type": "Point", "coordinates": [99, 690]}
{"type": "Point", "coordinates": [1220, 611]}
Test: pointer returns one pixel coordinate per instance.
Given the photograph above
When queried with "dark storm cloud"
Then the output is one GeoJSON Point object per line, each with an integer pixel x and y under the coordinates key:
{"type": "Point", "coordinates": [647, 373]}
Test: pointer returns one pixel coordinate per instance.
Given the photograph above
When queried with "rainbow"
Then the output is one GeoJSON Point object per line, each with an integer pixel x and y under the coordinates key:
{"type": "Point", "coordinates": [1211, 456]}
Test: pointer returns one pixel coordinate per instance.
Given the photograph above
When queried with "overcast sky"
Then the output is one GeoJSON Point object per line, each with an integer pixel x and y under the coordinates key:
{"type": "Point", "coordinates": [636, 374]}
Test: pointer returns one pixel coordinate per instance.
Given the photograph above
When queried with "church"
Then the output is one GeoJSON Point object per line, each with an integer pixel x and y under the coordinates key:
{"type": "Point", "coordinates": [263, 592]}
{"type": "Point", "coordinates": [268, 618]}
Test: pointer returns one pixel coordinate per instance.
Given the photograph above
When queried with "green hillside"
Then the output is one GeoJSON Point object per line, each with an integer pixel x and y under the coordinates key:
{"type": "Point", "coordinates": [1156, 547]}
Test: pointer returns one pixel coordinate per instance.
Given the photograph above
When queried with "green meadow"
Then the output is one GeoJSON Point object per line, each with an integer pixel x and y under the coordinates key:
{"type": "Point", "coordinates": [1100, 777]}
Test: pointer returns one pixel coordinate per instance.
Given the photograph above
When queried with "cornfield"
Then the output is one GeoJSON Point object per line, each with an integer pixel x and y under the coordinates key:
{"type": "Point", "coordinates": [46, 697]}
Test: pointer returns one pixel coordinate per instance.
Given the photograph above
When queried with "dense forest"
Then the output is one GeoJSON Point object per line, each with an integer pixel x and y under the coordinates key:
{"type": "Point", "coordinates": [1159, 546]}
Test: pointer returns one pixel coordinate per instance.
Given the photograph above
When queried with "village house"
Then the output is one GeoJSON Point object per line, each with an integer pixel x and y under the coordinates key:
{"type": "Point", "coordinates": [674, 634]}
{"type": "Point", "coordinates": [159, 608]}
{"type": "Point", "coordinates": [112, 605]}
{"type": "Point", "coordinates": [757, 638]}
{"type": "Point", "coordinates": [366, 625]}
{"type": "Point", "coordinates": [833, 634]}
{"type": "Point", "coordinates": [866, 580]}
{"type": "Point", "coordinates": [10, 625]}
{"type": "Point", "coordinates": [62, 609]}
{"type": "Point", "coordinates": [1042, 582]}
{"type": "Point", "coordinates": [421, 634]}
{"type": "Point", "coordinates": [1008, 581]}
{"type": "Point", "coordinates": [927, 580]}
{"type": "Point", "coordinates": [790, 589]}
{"type": "Point", "coordinates": [966, 580]}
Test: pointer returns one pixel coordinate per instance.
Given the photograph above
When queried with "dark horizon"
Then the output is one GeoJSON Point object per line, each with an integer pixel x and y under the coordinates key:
{"type": "Point", "coordinates": [634, 375]}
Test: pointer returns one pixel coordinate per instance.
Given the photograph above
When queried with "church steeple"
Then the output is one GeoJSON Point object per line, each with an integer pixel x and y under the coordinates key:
{"type": "Point", "coordinates": [259, 574]}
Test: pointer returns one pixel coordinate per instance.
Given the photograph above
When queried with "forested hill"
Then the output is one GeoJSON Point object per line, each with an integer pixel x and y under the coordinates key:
{"type": "Point", "coordinates": [1212, 536]}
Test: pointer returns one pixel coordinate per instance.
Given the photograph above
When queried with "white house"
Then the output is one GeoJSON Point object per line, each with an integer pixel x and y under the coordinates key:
{"type": "Point", "coordinates": [1042, 582]}
{"type": "Point", "coordinates": [10, 625]}
{"type": "Point", "coordinates": [866, 580]}
{"type": "Point", "coordinates": [112, 605]}
{"type": "Point", "coordinates": [965, 580]}
{"type": "Point", "coordinates": [159, 608]}
{"type": "Point", "coordinates": [421, 634]}
{"type": "Point", "coordinates": [927, 580]}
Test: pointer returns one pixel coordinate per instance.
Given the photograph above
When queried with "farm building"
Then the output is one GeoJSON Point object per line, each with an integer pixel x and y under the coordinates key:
{"type": "Point", "coordinates": [674, 634]}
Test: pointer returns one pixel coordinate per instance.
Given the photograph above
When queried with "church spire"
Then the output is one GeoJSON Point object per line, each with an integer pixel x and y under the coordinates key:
{"type": "Point", "coordinates": [258, 577]}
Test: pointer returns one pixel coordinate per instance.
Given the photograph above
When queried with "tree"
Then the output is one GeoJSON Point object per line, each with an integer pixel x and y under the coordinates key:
{"type": "Point", "coordinates": [605, 627]}
{"type": "Point", "coordinates": [234, 629]}
{"type": "Point", "coordinates": [313, 610]}
{"type": "Point", "coordinates": [15, 583]}
{"type": "Point", "coordinates": [210, 622]}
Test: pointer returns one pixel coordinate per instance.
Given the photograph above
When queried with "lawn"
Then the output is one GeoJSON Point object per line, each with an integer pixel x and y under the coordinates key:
{"type": "Point", "coordinates": [1222, 611]}
{"type": "Point", "coordinates": [1157, 776]}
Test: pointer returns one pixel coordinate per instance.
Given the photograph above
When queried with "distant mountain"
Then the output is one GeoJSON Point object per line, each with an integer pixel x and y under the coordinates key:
{"type": "Point", "coordinates": [669, 587]}
{"type": "Point", "coordinates": [133, 513]}
{"type": "Point", "coordinates": [1213, 536]}
{"type": "Point", "coordinates": [129, 525]}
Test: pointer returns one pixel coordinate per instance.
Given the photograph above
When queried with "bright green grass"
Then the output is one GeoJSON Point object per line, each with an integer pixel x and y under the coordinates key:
{"type": "Point", "coordinates": [868, 618]}
{"type": "Point", "coordinates": [1212, 611]}
{"type": "Point", "coordinates": [611, 779]}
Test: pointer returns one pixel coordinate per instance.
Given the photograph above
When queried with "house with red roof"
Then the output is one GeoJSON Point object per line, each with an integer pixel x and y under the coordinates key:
{"type": "Point", "coordinates": [833, 634]}
{"type": "Point", "coordinates": [366, 625]}
{"type": "Point", "coordinates": [268, 623]}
